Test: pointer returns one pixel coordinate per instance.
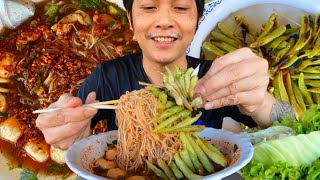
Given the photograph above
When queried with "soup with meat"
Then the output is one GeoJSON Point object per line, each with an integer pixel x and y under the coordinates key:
{"type": "Point", "coordinates": [51, 54]}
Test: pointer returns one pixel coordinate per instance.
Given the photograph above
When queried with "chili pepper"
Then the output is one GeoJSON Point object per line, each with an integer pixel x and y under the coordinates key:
{"type": "Point", "coordinates": [268, 26]}
{"type": "Point", "coordinates": [298, 111]}
{"type": "Point", "coordinates": [187, 160]}
{"type": "Point", "coordinates": [270, 37]}
{"type": "Point", "coordinates": [187, 79]}
{"type": "Point", "coordinates": [303, 29]}
{"type": "Point", "coordinates": [213, 49]}
{"type": "Point", "coordinates": [186, 122]}
{"type": "Point", "coordinates": [156, 170]}
{"type": "Point", "coordinates": [184, 168]}
{"type": "Point", "coordinates": [222, 38]}
{"type": "Point", "coordinates": [181, 114]}
{"type": "Point", "coordinates": [169, 112]}
{"type": "Point", "coordinates": [166, 169]}
{"type": "Point", "coordinates": [200, 154]}
{"type": "Point", "coordinates": [290, 31]}
{"type": "Point", "coordinates": [246, 26]}
{"type": "Point", "coordinates": [316, 28]}
{"type": "Point", "coordinates": [299, 97]}
{"type": "Point", "coordinates": [308, 62]}
{"type": "Point", "coordinates": [227, 32]}
{"type": "Point", "coordinates": [224, 46]}
{"type": "Point", "coordinates": [316, 48]}
{"type": "Point", "coordinates": [193, 83]}
{"type": "Point", "coordinates": [175, 170]}
{"type": "Point", "coordinates": [282, 89]}
{"type": "Point", "coordinates": [304, 91]}
{"type": "Point", "coordinates": [296, 57]}
{"type": "Point", "coordinates": [163, 97]}
{"type": "Point", "coordinates": [276, 91]}
{"type": "Point", "coordinates": [215, 157]}
{"type": "Point", "coordinates": [316, 98]}
{"type": "Point", "coordinates": [314, 90]}
{"type": "Point", "coordinates": [313, 83]}
{"type": "Point", "coordinates": [275, 43]}
{"type": "Point", "coordinates": [311, 69]}
{"type": "Point", "coordinates": [186, 145]}
{"type": "Point", "coordinates": [282, 45]}
{"type": "Point", "coordinates": [283, 51]}
{"type": "Point", "coordinates": [307, 76]}
{"type": "Point", "coordinates": [189, 128]}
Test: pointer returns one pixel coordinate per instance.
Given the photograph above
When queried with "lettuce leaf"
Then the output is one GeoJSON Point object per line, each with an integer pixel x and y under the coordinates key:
{"type": "Point", "coordinates": [297, 150]}
{"type": "Point", "coordinates": [281, 170]}
{"type": "Point", "coordinates": [311, 121]}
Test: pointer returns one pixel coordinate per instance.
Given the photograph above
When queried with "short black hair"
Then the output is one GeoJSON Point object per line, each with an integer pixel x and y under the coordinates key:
{"type": "Point", "coordinates": [200, 6]}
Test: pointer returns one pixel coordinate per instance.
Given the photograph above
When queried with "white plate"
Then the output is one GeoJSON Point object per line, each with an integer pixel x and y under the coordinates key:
{"type": "Point", "coordinates": [257, 14]}
{"type": "Point", "coordinates": [83, 153]}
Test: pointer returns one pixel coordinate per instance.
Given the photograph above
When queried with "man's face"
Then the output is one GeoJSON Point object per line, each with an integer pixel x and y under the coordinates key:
{"type": "Point", "coordinates": [164, 28]}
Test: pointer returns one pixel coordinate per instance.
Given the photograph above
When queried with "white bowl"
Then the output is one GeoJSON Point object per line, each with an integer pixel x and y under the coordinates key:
{"type": "Point", "coordinates": [256, 12]}
{"type": "Point", "coordinates": [83, 153]}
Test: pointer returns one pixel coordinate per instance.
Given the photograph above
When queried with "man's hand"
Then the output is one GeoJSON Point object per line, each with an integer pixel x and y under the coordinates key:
{"type": "Point", "coordinates": [64, 127]}
{"type": "Point", "coordinates": [237, 78]}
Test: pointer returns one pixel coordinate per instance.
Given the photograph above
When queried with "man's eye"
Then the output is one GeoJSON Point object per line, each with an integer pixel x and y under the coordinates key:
{"type": "Point", "coordinates": [149, 7]}
{"type": "Point", "coordinates": [181, 8]}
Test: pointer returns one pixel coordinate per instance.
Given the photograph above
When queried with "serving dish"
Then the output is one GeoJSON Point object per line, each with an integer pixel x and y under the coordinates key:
{"type": "Point", "coordinates": [256, 12]}
{"type": "Point", "coordinates": [83, 153]}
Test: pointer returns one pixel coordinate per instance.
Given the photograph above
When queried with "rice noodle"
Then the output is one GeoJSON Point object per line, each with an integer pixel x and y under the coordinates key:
{"type": "Point", "coordinates": [136, 141]}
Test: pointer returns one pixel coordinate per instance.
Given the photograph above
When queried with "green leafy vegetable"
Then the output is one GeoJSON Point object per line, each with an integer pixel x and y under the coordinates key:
{"type": "Point", "coordinates": [54, 168]}
{"type": "Point", "coordinates": [295, 150]}
{"type": "Point", "coordinates": [28, 175]}
{"type": "Point", "coordinates": [311, 121]}
{"type": "Point", "coordinates": [281, 170]}
{"type": "Point", "coordinates": [52, 11]}
{"type": "Point", "coordinates": [93, 4]}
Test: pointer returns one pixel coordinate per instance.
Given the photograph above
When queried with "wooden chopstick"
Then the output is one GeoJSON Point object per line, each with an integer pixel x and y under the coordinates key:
{"type": "Point", "coordinates": [148, 84]}
{"type": "Point", "coordinates": [98, 105]}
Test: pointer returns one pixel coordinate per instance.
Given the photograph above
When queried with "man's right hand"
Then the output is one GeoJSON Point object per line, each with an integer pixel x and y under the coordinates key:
{"type": "Point", "coordinates": [71, 123]}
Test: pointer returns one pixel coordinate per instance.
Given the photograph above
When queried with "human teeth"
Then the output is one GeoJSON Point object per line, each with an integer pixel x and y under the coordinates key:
{"type": "Point", "coordinates": [164, 39]}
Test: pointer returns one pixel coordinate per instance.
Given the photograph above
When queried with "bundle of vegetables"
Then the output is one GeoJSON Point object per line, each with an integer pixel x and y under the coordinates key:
{"type": "Point", "coordinates": [282, 155]}
{"type": "Point", "coordinates": [293, 55]}
{"type": "Point", "coordinates": [177, 112]}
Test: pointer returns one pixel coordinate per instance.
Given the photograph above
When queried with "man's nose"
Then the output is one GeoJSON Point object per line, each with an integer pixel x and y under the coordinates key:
{"type": "Point", "coordinates": [165, 19]}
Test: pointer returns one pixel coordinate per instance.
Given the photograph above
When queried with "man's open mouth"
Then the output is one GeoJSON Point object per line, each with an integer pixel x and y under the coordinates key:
{"type": "Point", "coordinates": [164, 39]}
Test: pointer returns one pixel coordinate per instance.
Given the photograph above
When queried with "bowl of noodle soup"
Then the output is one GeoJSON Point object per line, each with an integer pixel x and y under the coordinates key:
{"type": "Point", "coordinates": [238, 150]}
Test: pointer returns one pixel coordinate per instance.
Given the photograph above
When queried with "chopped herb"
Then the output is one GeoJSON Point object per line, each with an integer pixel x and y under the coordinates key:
{"type": "Point", "coordinates": [3, 114]}
{"type": "Point", "coordinates": [28, 175]}
{"type": "Point", "coordinates": [93, 4]}
{"type": "Point", "coordinates": [113, 10]}
{"type": "Point", "coordinates": [52, 11]}
{"type": "Point", "coordinates": [53, 168]}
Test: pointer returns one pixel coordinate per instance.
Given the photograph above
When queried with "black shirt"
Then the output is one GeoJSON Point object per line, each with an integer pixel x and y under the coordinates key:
{"type": "Point", "coordinates": [113, 78]}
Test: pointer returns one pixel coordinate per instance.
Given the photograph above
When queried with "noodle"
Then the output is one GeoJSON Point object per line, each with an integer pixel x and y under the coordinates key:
{"type": "Point", "coordinates": [136, 140]}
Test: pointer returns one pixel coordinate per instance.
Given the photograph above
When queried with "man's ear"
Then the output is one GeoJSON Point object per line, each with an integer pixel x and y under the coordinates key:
{"type": "Point", "coordinates": [130, 21]}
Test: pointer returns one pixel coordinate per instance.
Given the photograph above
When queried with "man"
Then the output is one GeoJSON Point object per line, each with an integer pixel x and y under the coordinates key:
{"type": "Point", "coordinates": [234, 83]}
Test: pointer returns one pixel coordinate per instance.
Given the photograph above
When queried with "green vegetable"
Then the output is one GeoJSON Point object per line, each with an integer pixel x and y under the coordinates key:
{"type": "Point", "coordinates": [93, 4]}
{"type": "Point", "coordinates": [52, 11]}
{"type": "Point", "coordinates": [28, 175]}
{"type": "Point", "coordinates": [295, 150]}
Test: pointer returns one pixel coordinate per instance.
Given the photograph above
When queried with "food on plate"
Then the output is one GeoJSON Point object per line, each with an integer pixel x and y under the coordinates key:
{"type": "Point", "coordinates": [10, 129]}
{"type": "Point", "coordinates": [292, 50]}
{"type": "Point", "coordinates": [37, 150]}
{"type": "Point", "coordinates": [156, 138]}
{"type": "Point", "coordinates": [293, 156]}
{"type": "Point", "coordinates": [48, 55]}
